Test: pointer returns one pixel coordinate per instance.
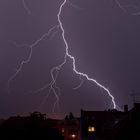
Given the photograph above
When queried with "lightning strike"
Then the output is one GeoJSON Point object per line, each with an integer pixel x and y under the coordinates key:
{"type": "Point", "coordinates": [54, 72]}
{"type": "Point", "coordinates": [18, 70]}
{"type": "Point", "coordinates": [124, 8]}
{"type": "Point", "coordinates": [52, 85]}
{"type": "Point", "coordinates": [68, 55]}
{"type": "Point", "coordinates": [26, 7]}
{"type": "Point", "coordinates": [81, 82]}
{"type": "Point", "coordinates": [74, 6]}
{"type": "Point", "coordinates": [120, 6]}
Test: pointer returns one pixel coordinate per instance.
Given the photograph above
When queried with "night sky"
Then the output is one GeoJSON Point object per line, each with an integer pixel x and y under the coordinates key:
{"type": "Point", "coordinates": [103, 38]}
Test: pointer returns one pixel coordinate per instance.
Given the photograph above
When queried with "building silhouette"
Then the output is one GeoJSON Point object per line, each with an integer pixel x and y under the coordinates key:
{"type": "Point", "coordinates": [111, 124]}
{"type": "Point", "coordinates": [92, 125]}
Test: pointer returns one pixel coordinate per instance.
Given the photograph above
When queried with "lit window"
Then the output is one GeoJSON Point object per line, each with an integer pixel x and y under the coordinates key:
{"type": "Point", "coordinates": [73, 136]}
{"type": "Point", "coordinates": [62, 130]}
{"type": "Point", "coordinates": [91, 129]}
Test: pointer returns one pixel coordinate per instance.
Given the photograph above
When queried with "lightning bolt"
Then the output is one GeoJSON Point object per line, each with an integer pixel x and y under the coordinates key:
{"type": "Point", "coordinates": [18, 70]}
{"type": "Point", "coordinates": [124, 8]}
{"type": "Point", "coordinates": [68, 55]}
{"type": "Point", "coordinates": [120, 6]}
{"type": "Point", "coordinates": [54, 72]}
{"type": "Point", "coordinates": [26, 7]}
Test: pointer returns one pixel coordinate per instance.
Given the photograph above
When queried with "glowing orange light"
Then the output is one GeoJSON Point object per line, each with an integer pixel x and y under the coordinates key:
{"type": "Point", "coordinates": [73, 136]}
{"type": "Point", "coordinates": [91, 129]}
{"type": "Point", "coordinates": [62, 130]}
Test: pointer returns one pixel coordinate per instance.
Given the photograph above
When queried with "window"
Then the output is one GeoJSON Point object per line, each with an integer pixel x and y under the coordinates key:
{"type": "Point", "coordinates": [63, 130]}
{"type": "Point", "coordinates": [91, 129]}
{"type": "Point", "coordinates": [73, 136]}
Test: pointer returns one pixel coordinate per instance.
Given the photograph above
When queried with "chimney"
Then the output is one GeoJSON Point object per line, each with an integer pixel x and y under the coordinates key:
{"type": "Point", "coordinates": [125, 108]}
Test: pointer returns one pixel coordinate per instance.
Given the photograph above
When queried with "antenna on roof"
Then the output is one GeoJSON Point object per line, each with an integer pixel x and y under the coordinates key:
{"type": "Point", "coordinates": [132, 94]}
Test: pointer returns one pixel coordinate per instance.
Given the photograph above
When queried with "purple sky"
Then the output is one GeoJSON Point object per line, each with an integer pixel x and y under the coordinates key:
{"type": "Point", "coordinates": [102, 37]}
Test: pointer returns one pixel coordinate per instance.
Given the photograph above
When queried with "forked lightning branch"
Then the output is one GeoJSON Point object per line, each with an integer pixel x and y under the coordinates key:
{"type": "Point", "coordinates": [55, 70]}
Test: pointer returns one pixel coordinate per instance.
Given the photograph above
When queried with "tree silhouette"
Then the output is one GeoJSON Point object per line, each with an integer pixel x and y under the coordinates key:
{"type": "Point", "coordinates": [37, 115]}
{"type": "Point", "coordinates": [71, 116]}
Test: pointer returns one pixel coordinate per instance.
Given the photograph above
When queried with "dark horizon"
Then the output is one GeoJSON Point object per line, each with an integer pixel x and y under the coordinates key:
{"type": "Point", "coordinates": [58, 117]}
{"type": "Point", "coordinates": [97, 125]}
